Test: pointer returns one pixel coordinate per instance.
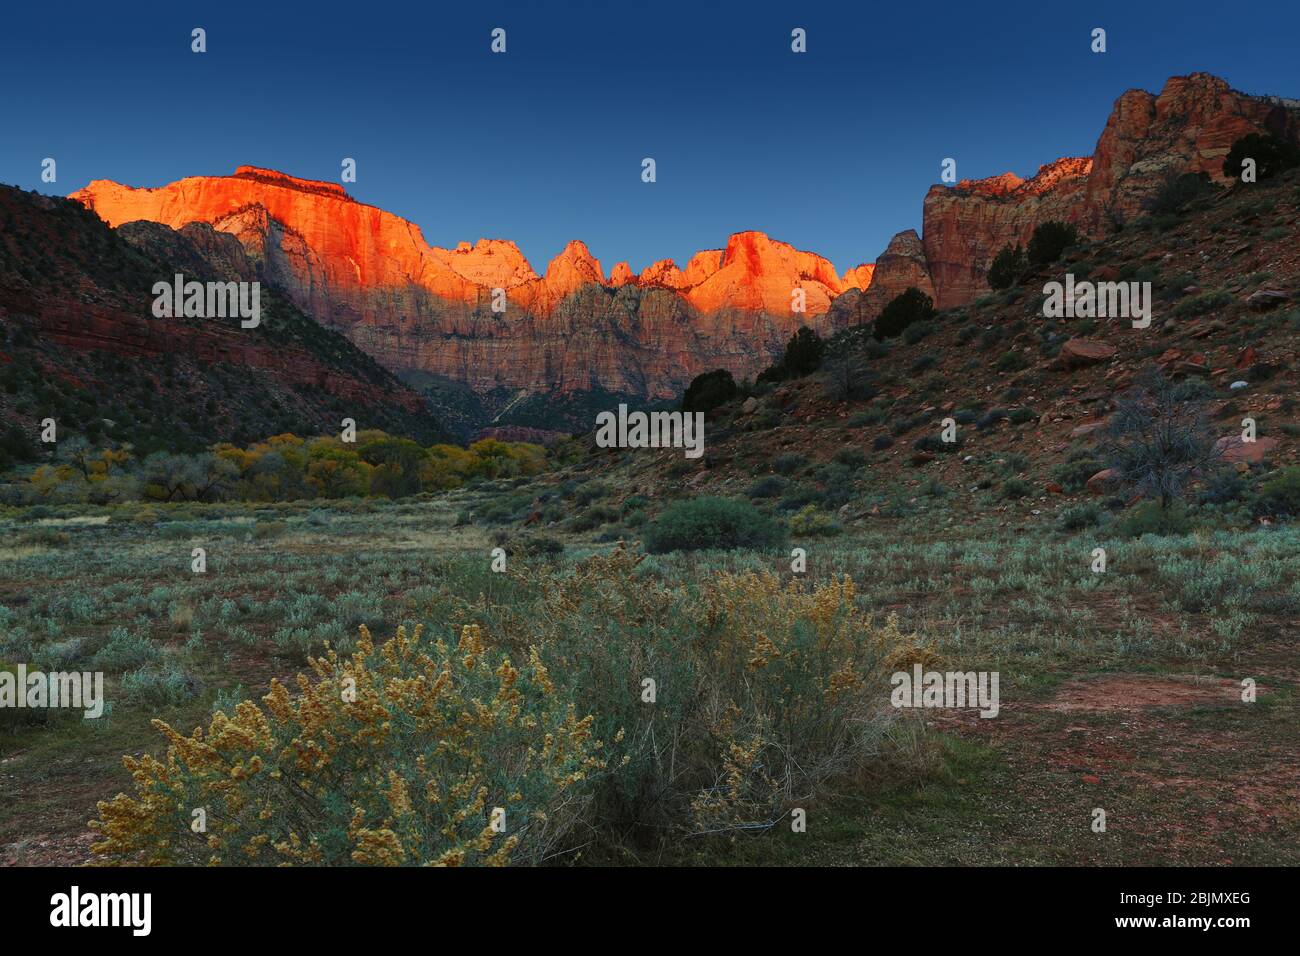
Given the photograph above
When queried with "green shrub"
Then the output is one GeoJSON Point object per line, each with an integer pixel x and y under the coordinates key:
{"type": "Point", "coordinates": [771, 486]}
{"type": "Point", "coordinates": [707, 523]}
{"type": "Point", "coordinates": [1073, 475]}
{"type": "Point", "coordinates": [1011, 361]}
{"type": "Point", "coordinates": [157, 686]}
{"type": "Point", "coordinates": [851, 457]}
{"type": "Point", "coordinates": [1202, 303]}
{"type": "Point", "coordinates": [906, 309]}
{"type": "Point", "coordinates": [1271, 155]}
{"type": "Point", "coordinates": [803, 356]}
{"type": "Point", "coordinates": [708, 391]}
{"type": "Point", "coordinates": [915, 333]}
{"type": "Point", "coordinates": [1147, 517]}
{"type": "Point", "coordinates": [1177, 190]}
{"type": "Point", "coordinates": [1015, 488]}
{"type": "Point", "coordinates": [1049, 240]}
{"type": "Point", "coordinates": [125, 651]}
{"type": "Point", "coordinates": [1281, 493]}
{"type": "Point", "coordinates": [788, 463]}
{"type": "Point", "coordinates": [1007, 267]}
{"type": "Point", "coordinates": [810, 522]}
{"type": "Point", "coordinates": [1080, 517]}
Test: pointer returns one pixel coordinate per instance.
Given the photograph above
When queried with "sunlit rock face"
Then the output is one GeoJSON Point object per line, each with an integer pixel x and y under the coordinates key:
{"type": "Point", "coordinates": [414, 306]}
{"type": "Point", "coordinates": [1188, 127]}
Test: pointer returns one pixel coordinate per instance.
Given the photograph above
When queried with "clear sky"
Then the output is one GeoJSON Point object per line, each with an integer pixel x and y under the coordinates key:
{"type": "Point", "coordinates": [831, 150]}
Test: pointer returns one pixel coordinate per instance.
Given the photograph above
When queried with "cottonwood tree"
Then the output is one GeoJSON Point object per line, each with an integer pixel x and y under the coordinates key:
{"type": "Point", "coordinates": [1159, 440]}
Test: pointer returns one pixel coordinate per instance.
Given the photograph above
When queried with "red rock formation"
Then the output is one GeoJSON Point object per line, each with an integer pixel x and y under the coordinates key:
{"type": "Point", "coordinates": [1189, 127]}
{"type": "Point", "coordinates": [859, 277]}
{"type": "Point", "coordinates": [966, 225]}
{"type": "Point", "coordinates": [415, 306]}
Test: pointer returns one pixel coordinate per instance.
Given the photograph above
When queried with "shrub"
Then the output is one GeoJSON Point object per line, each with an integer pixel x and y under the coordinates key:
{"type": "Point", "coordinates": [708, 391]}
{"type": "Point", "coordinates": [372, 762]}
{"type": "Point", "coordinates": [1177, 190]}
{"type": "Point", "coordinates": [1049, 240]}
{"type": "Point", "coordinates": [769, 487]}
{"type": "Point", "coordinates": [125, 651]}
{"type": "Point", "coordinates": [809, 522]}
{"type": "Point", "coordinates": [157, 686]}
{"type": "Point", "coordinates": [1271, 156]}
{"type": "Point", "coordinates": [881, 442]}
{"type": "Point", "coordinates": [700, 523]}
{"type": "Point", "coordinates": [916, 332]}
{"type": "Point", "coordinates": [1007, 267]}
{"type": "Point", "coordinates": [788, 463]}
{"type": "Point", "coordinates": [1202, 303]}
{"type": "Point", "coordinates": [910, 307]}
{"type": "Point", "coordinates": [1157, 441]}
{"type": "Point", "coordinates": [1080, 517]}
{"type": "Point", "coordinates": [776, 690]}
{"type": "Point", "coordinates": [1011, 361]}
{"type": "Point", "coordinates": [802, 356]}
{"type": "Point", "coordinates": [1015, 488]}
{"type": "Point", "coordinates": [1073, 475]}
{"type": "Point", "coordinates": [1148, 517]}
{"type": "Point", "coordinates": [851, 457]}
{"type": "Point", "coordinates": [1281, 493]}
{"type": "Point", "coordinates": [593, 517]}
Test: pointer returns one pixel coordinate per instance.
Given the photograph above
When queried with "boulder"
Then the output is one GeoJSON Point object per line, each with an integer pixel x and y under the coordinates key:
{"type": "Point", "coordinates": [1081, 431]}
{"type": "Point", "coordinates": [1079, 352]}
{"type": "Point", "coordinates": [1103, 481]}
{"type": "Point", "coordinates": [1233, 449]}
{"type": "Point", "coordinates": [1265, 299]}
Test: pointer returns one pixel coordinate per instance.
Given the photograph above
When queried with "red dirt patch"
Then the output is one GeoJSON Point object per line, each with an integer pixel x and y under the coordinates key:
{"type": "Point", "coordinates": [1134, 692]}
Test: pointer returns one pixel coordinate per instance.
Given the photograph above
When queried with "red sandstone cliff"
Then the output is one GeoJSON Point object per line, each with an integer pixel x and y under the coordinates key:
{"type": "Point", "coordinates": [415, 306]}
{"type": "Point", "coordinates": [1189, 127]}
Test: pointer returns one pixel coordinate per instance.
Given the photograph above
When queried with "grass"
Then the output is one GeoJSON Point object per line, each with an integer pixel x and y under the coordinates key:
{"type": "Point", "coordinates": [943, 791]}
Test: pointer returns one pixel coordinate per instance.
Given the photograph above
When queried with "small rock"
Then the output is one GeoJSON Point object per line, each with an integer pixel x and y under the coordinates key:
{"type": "Point", "coordinates": [1078, 352]}
{"type": "Point", "coordinates": [1087, 429]}
{"type": "Point", "coordinates": [1103, 481]}
{"type": "Point", "coordinates": [1238, 385]}
{"type": "Point", "coordinates": [1266, 299]}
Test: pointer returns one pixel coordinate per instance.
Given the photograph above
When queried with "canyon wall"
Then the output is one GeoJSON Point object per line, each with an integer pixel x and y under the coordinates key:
{"type": "Point", "coordinates": [414, 306]}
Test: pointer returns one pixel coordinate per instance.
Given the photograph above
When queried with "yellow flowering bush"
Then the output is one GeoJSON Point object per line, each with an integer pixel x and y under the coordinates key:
{"type": "Point", "coordinates": [408, 753]}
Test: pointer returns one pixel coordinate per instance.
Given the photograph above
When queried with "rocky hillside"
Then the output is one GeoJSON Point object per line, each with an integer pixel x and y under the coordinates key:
{"type": "Point", "coordinates": [1188, 128]}
{"type": "Point", "coordinates": [79, 342]}
{"type": "Point", "coordinates": [1029, 395]}
{"type": "Point", "coordinates": [417, 307]}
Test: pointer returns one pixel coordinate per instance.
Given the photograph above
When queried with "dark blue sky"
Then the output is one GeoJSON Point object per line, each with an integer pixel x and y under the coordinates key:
{"type": "Point", "coordinates": [831, 150]}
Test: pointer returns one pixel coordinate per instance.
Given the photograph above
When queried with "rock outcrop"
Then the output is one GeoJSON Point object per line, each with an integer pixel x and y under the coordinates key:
{"type": "Point", "coordinates": [417, 307]}
{"type": "Point", "coordinates": [1188, 127]}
